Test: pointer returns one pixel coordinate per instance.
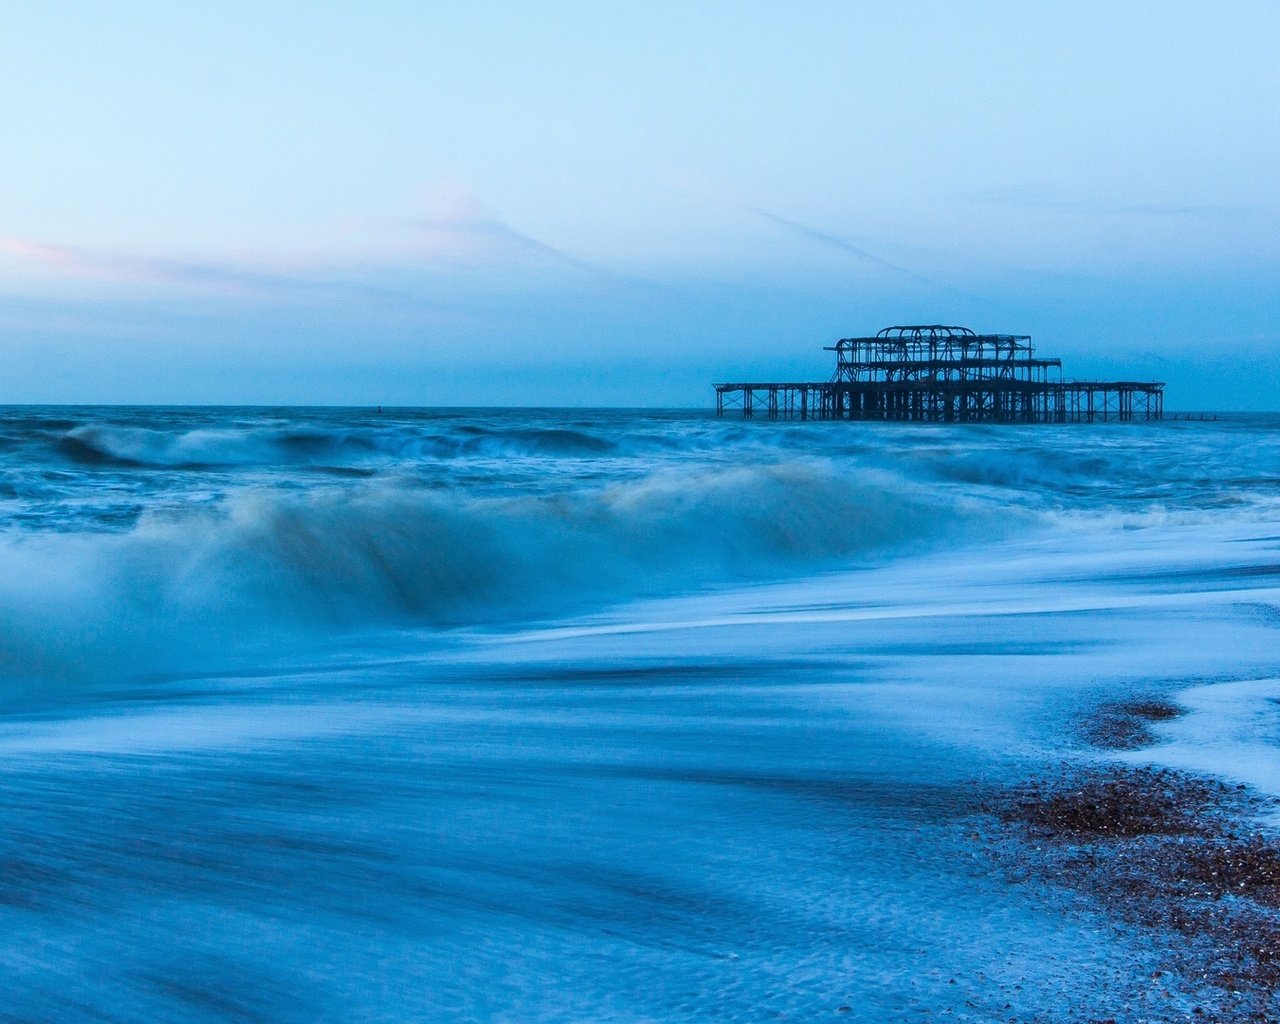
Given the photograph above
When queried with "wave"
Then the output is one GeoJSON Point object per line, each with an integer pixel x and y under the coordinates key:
{"type": "Point", "coordinates": [135, 447]}
{"type": "Point", "coordinates": [545, 440]}
{"type": "Point", "coordinates": [183, 590]}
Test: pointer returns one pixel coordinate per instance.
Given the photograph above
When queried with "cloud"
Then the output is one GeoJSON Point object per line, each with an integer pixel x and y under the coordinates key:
{"type": "Point", "coordinates": [858, 252]}
{"type": "Point", "coordinates": [492, 229]}
{"type": "Point", "coordinates": [825, 238]}
{"type": "Point", "coordinates": [457, 244]}
{"type": "Point", "coordinates": [1028, 198]}
{"type": "Point", "coordinates": [105, 265]}
{"type": "Point", "coordinates": [456, 215]}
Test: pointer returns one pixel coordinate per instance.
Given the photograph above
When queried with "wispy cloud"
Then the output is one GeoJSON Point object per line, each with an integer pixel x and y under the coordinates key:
{"type": "Point", "coordinates": [455, 230]}
{"type": "Point", "coordinates": [127, 268]}
{"type": "Point", "coordinates": [826, 238]}
{"type": "Point", "coordinates": [456, 215]}
{"type": "Point", "coordinates": [492, 229]}
{"type": "Point", "coordinates": [858, 252]}
{"type": "Point", "coordinates": [1028, 198]}
{"type": "Point", "coordinates": [455, 246]}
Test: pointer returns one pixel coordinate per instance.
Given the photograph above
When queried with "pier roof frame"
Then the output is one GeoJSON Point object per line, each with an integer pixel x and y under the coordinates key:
{"type": "Point", "coordinates": [935, 334]}
{"type": "Point", "coordinates": [939, 351]}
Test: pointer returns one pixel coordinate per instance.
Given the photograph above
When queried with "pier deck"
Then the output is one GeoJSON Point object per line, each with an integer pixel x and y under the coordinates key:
{"type": "Point", "coordinates": [1057, 402]}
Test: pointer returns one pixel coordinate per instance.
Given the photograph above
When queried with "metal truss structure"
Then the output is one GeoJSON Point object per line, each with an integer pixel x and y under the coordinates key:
{"type": "Point", "coordinates": [940, 374]}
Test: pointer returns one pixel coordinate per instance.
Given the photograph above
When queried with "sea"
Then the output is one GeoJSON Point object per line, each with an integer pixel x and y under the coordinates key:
{"type": "Point", "coordinates": [595, 715]}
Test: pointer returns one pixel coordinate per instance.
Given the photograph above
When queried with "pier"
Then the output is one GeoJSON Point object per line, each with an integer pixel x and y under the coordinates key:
{"type": "Point", "coordinates": [940, 374]}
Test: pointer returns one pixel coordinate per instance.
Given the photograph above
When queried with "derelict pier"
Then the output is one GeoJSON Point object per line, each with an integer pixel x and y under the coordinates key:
{"type": "Point", "coordinates": [938, 374]}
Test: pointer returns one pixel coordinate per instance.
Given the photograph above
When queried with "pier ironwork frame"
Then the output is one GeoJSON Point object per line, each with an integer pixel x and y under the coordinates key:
{"type": "Point", "coordinates": [941, 374]}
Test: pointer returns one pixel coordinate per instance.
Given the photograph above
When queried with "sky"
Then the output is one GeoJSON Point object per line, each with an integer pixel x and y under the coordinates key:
{"type": "Point", "coordinates": [620, 203]}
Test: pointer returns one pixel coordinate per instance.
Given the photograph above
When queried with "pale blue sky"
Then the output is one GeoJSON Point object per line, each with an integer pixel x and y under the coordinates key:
{"type": "Point", "coordinates": [619, 203]}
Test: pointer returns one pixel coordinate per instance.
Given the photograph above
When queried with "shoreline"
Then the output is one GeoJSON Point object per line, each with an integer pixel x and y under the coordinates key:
{"type": "Point", "coordinates": [1179, 856]}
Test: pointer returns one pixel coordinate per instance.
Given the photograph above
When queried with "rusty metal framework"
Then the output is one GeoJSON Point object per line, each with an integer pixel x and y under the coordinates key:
{"type": "Point", "coordinates": [940, 374]}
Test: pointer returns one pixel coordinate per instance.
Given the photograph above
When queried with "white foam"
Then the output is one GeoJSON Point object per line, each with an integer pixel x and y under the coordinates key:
{"type": "Point", "coordinates": [1230, 730]}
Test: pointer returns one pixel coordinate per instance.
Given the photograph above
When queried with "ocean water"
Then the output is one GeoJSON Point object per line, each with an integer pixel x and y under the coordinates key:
{"type": "Point", "coordinates": [525, 715]}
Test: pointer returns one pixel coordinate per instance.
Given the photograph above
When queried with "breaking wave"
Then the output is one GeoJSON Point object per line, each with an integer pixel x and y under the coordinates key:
{"type": "Point", "coordinates": [266, 564]}
{"type": "Point", "coordinates": [128, 446]}
{"type": "Point", "coordinates": [124, 446]}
